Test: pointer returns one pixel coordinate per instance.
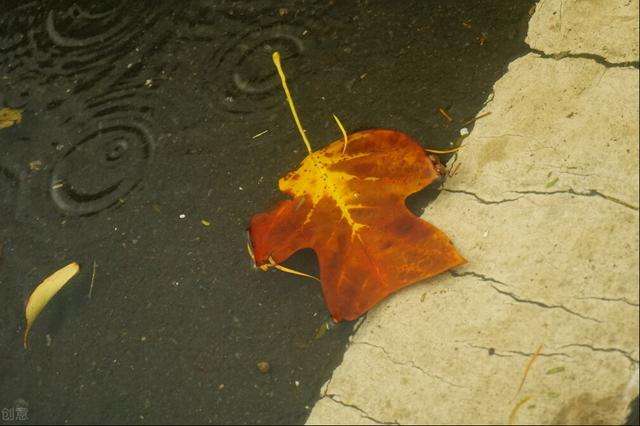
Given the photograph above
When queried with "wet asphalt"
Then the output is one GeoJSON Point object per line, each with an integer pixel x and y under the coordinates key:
{"type": "Point", "coordinates": [151, 133]}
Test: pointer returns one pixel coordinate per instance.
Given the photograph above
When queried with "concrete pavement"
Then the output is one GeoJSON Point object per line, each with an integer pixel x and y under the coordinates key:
{"type": "Point", "coordinates": [541, 325]}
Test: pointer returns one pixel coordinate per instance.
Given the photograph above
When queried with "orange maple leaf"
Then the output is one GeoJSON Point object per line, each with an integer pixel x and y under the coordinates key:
{"type": "Point", "coordinates": [349, 207]}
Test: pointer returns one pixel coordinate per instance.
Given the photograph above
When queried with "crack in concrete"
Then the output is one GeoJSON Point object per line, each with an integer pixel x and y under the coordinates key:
{"type": "Point", "coordinates": [608, 299]}
{"type": "Point", "coordinates": [481, 200]}
{"type": "Point", "coordinates": [411, 364]}
{"type": "Point", "coordinates": [359, 323]}
{"type": "Point", "coordinates": [541, 354]}
{"type": "Point", "coordinates": [477, 275]}
{"type": "Point", "coordinates": [490, 351]}
{"type": "Point", "coordinates": [596, 58]}
{"type": "Point", "coordinates": [518, 299]}
{"type": "Point", "coordinates": [364, 414]}
{"type": "Point", "coordinates": [596, 349]}
{"type": "Point", "coordinates": [518, 353]}
{"type": "Point", "coordinates": [544, 305]}
{"type": "Point", "coordinates": [325, 388]}
{"type": "Point", "coordinates": [589, 193]}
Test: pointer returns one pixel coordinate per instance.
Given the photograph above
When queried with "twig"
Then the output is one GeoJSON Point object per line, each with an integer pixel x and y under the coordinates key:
{"type": "Point", "coordinates": [476, 118]}
{"type": "Point", "coordinates": [453, 170]}
{"type": "Point", "coordinates": [446, 151]}
{"type": "Point", "coordinates": [445, 115]}
{"type": "Point", "coordinates": [289, 270]}
{"type": "Point", "coordinates": [259, 134]}
{"type": "Point", "coordinates": [93, 277]}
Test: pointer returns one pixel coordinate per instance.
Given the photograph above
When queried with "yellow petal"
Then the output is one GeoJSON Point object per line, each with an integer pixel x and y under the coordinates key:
{"type": "Point", "coordinates": [44, 292]}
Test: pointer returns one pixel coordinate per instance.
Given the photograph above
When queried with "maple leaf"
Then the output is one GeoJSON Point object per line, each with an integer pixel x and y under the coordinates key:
{"type": "Point", "coordinates": [350, 209]}
{"type": "Point", "coordinates": [348, 205]}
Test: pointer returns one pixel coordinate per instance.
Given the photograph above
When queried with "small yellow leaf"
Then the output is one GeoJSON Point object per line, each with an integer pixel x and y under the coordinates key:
{"type": "Point", "coordinates": [555, 370]}
{"type": "Point", "coordinates": [44, 292]}
{"type": "Point", "coordinates": [205, 222]}
{"type": "Point", "coordinates": [9, 117]}
{"type": "Point", "coordinates": [322, 330]}
{"type": "Point", "coordinates": [551, 183]}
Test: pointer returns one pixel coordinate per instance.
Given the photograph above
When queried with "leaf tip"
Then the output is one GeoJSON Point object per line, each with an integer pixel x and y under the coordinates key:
{"type": "Point", "coordinates": [25, 340]}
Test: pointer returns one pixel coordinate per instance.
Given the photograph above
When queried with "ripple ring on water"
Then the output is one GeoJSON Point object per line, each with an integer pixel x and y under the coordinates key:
{"type": "Point", "coordinates": [246, 82]}
{"type": "Point", "coordinates": [101, 169]}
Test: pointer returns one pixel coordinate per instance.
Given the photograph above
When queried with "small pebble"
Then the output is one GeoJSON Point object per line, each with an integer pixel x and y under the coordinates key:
{"type": "Point", "coordinates": [263, 366]}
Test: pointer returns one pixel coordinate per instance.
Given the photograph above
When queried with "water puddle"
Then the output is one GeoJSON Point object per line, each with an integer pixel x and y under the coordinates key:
{"type": "Point", "coordinates": [151, 132]}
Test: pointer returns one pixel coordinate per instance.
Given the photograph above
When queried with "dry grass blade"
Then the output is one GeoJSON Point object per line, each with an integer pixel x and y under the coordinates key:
{"type": "Point", "coordinates": [534, 356]}
{"type": "Point", "coordinates": [514, 411]}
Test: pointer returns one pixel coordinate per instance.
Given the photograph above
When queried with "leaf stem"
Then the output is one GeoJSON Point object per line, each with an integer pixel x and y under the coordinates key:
{"type": "Point", "coordinates": [276, 62]}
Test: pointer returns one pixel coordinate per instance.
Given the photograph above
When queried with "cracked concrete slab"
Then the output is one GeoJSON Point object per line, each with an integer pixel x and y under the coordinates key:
{"type": "Point", "coordinates": [606, 28]}
{"type": "Point", "coordinates": [566, 135]}
{"type": "Point", "coordinates": [541, 325]}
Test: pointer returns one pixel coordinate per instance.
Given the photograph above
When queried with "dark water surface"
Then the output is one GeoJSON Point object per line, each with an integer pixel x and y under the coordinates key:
{"type": "Point", "coordinates": [138, 125]}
